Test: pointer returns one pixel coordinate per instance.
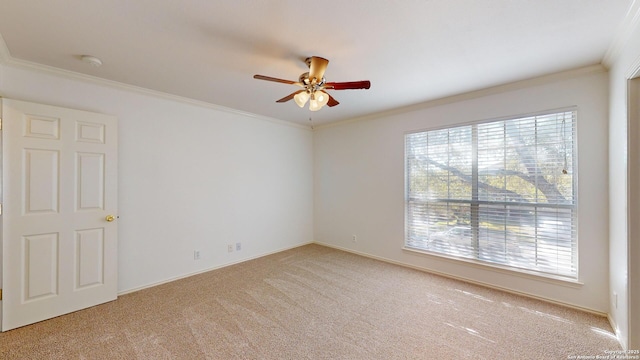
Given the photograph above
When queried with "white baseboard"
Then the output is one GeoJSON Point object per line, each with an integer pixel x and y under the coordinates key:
{"type": "Point", "coordinates": [614, 326]}
{"type": "Point", "coordinates": [487, 285]}
{"type": "Point", "coordinates": [467, 280]}
{"type": "Point", "coordinates": [128, 291]}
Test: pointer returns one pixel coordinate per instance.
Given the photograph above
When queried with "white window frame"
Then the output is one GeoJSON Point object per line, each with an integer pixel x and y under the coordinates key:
{"type": "Point", "coordinates": [472, 232]}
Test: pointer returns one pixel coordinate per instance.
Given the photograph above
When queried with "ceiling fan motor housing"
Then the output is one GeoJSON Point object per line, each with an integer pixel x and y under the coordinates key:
{"type": "Point", "coordinates": [304, 79]}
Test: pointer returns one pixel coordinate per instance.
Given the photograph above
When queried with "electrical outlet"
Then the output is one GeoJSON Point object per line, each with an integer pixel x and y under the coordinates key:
{"type": "Point", "coordinates": [230, 248]}
{"type": "Point", "coordinates": [196, 254]}
{"type": "Point", "coordinates": [238, 246]}
{"type": "Point", "coordinates": [354, 238]}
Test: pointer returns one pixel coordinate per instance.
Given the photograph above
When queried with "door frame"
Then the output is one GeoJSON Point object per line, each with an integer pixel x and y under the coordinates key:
{"type": "Point", "coordinates": [633, 209]}
{"type": "Point", "coordinates": [1, 204]}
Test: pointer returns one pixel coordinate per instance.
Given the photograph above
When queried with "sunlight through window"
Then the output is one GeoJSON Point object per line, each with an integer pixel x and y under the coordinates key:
{"type": "Point", "coordinates": [604, 332]}
{"type": "Point", "coordinates": [501, 192]}
{"type": "Point", "coordinates": [548, 316]}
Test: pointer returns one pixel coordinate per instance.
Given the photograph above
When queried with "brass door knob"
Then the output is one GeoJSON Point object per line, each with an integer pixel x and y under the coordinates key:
{"type": "Point", "coordinates": [110, 218]}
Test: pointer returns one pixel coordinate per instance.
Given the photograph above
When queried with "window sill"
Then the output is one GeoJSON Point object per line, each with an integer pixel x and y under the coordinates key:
{"type": "Point", "coordinates": [556, 280]}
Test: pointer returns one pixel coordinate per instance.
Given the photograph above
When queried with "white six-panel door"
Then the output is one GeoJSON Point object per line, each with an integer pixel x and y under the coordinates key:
{"type": "Point", "coordinates": [59, 187]}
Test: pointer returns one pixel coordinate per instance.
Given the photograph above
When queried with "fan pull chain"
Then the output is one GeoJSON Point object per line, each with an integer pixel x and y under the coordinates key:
{"type": "Point", "coordinates": [564, 146]}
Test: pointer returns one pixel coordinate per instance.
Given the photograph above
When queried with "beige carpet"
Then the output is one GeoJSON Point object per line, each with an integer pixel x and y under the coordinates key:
{"type": "Point", "coordinates": [315, 302]}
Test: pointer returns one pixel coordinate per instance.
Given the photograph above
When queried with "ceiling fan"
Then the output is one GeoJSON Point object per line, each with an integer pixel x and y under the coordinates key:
{"type": "Point", "coordinates": [314, 84]}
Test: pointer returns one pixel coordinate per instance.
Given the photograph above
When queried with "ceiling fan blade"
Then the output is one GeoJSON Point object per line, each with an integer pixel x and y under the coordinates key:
{"type": "Point", "coordinates": [269, 78]}
{"type": "Point", "coordinates": [317, 66]}
{"type": "Point", "coordinates": [290, 96]}
{"type": "Point", "coordinates": [332, 102]}
{"type": "Point", "coordinates": [349, 85]}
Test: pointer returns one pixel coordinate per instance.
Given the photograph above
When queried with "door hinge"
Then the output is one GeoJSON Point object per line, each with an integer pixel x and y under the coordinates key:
{"type": "Point", "coordinates": [0, 123]}
{"type": "Point", "coordinates": [0, 294]}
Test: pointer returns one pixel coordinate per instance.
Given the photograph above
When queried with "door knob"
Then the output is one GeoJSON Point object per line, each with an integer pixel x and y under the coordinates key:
{"type": "Point", "coordinates": [110, 218]}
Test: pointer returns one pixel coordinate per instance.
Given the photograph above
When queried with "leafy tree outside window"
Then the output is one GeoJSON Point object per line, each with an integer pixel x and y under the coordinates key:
{"type": "Point", "coordinates": [502, 192]}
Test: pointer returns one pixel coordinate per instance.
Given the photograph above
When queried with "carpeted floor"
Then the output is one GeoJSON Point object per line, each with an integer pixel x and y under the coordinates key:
{"type": "Point", "coordinates": [315, 302]}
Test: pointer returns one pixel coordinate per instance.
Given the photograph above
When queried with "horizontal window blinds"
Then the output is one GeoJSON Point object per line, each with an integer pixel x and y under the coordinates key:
{"type": "Point", "coordinates": [501, 192]}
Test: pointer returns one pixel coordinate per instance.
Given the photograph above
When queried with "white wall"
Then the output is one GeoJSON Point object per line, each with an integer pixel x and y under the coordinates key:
{"type": "Point", "coordinates": [193, 177]}
{"type": "Point", "coordinates": [624, 65]}
{"type": "Point", "coordinates": [190, 177]}
{"type": "Point", "coordinates": [359, 182]}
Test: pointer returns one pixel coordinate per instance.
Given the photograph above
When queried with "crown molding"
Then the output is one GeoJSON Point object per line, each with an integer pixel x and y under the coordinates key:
{"type": "Point", "coordinates": [622, 35]}
{"type": "Point", "coordinates": [7, 60]}
{"type": "Point", "coordinates": [4, 51]}
{"type": "Point", "coordinates": [517, 85]}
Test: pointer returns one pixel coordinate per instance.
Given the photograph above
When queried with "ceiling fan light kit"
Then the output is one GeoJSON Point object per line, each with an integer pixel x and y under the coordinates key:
{"type": "Point", "coordinates": [319, 99]}
{"type": "Point", "coordinates": [301, 98]}
{"type": "Point", "coordinates": [314, 84]}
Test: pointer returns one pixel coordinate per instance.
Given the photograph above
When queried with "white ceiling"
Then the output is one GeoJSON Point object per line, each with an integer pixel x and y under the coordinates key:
{"type": "Point", "coordinates": [412, 50]}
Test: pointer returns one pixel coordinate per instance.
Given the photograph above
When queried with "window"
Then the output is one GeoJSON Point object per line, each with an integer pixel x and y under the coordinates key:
{"type": "Point", "coordinates": [501, 192]}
